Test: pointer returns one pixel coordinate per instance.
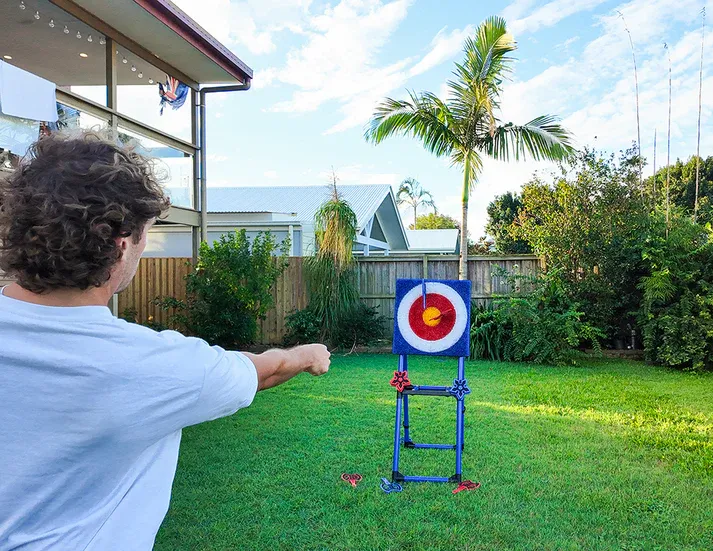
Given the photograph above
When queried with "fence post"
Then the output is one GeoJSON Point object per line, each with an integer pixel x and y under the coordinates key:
{"type": "Point", "coordinates": [425, 266]}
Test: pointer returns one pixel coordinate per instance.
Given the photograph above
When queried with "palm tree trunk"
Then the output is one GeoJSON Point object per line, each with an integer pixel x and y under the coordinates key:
{"type": "Point", "coordinates": [463, 265]}
{"type": "Point", "coordinates": [700, 93]}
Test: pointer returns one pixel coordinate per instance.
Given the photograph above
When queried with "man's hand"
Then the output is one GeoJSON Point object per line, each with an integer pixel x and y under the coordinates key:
{"type": "Point", "coordinates": [274, 367]}
{"type": "Point", "coordinates": [316, 358]}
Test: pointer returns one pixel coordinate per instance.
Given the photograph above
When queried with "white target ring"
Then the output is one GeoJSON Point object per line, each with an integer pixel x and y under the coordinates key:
{"type": "Point", "coordinates": [448, 340]}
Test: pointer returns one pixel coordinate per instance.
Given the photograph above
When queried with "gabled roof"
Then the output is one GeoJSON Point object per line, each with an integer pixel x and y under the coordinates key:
{"type": "Point", "coordinates": [304, 201]}
{"type": "Point", "coordinates": [436, 241]}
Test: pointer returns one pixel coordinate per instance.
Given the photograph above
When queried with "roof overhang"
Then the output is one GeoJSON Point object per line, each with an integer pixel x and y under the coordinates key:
{"type": "Point", "coordinates": [164, 32]}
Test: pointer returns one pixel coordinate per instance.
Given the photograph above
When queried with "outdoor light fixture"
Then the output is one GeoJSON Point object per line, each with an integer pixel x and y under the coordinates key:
{"type": "Point", "coordinates": [140, 75]}
{"type": "Point", "coordinates": [133, 68]}
{"type": "Point", "coordinates": [79, 35]}
{"type": "Point", "coordinates": [83, 55]}
{"type": "Point", "coordinates": [102, 41]}
{"type": "Point", "coordinates": [22, 5]}
{"type": "Point", "coordinates": [7, 56]}
{"type": "Point", "coordinates": [51, 23]}
{"type": "Point", "coordinates": [66, 30]}
{"type": "Point", "coordinates": [90, 39]}
{"type": "Point", "coordinates": [37, 15]}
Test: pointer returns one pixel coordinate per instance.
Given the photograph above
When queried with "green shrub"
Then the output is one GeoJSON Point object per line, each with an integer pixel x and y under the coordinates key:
{"type": "Point", "coordinates": [303, 327]}
{"type": "Point", "coordinates": [130, 315]}
{"type": "Point", "coordinates": [230, 289]}
{"type": "Point", "coordinates": [677, 311]}
{"type": "Point", "coordinates": [538, 323]}
{"type": "Point", "coordinates": [360, 326]}
{"type": "Point", "coordinates": [489, 332]}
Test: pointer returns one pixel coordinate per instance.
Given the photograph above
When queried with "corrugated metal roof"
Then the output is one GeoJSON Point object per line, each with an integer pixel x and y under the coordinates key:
{"type": "Point", "coordinates": [433, 240]}
{"type": "Point", "coordinates": [304, 201]}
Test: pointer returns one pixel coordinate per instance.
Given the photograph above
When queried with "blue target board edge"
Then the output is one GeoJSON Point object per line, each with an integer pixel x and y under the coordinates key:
{"type": "Point", "coordinates": [462, 346]}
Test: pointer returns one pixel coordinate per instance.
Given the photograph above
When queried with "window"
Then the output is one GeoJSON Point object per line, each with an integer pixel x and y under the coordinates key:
{"type": "Point", "coordinates": [173, 168]}
{"type": "Point", "coordinates": [138, 96]}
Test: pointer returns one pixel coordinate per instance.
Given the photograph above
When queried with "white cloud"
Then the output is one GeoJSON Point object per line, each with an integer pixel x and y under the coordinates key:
{"type": "Point", "coordinates": [249, 24]}
{"type": "Point", "coordinates": [338, 62]}
{"type": "Point", "coordinates": [270, 174]}
{"type": "Point", "coordinates": [443, 47]}
{"type": "Point", "coordinates": [550, 14]}
{"type": "Point", "coordinates": [358, 174]}
{"type": "Point", "coordinates": [213, 157]}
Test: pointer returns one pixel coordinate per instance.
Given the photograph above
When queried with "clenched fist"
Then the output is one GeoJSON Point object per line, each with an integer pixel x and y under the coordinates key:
{"type": "Point", "coordinates": [316, 358]}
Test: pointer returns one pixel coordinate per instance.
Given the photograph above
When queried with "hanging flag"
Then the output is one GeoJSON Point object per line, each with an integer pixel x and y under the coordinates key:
{"type": "Point", "coordinates": [172, 93]}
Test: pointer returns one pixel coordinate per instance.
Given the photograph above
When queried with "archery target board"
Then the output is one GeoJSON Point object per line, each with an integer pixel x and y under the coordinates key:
{"type": "Point", "coordinates": [432, 317]}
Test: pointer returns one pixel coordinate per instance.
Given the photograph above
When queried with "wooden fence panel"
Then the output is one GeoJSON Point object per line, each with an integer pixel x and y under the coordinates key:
{"type": "Point", "coordinates": [155, 277]}
{"type": "Point", "coordinates": [376, 279]}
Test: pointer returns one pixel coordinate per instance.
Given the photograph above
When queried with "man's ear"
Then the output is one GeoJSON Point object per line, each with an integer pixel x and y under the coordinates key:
{"type": "Point", "coordinates": [122, 243]}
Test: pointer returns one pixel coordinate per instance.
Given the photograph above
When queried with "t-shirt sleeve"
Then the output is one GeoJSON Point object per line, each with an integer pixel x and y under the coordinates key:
{"type": "Point", "coordinates": [230, 384]}
{"type": "Point", "coordinates": [184, 381]}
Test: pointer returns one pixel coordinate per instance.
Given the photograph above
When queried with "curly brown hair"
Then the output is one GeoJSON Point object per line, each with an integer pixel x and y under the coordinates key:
{"type": "Point", "coordinates": [63, 208]}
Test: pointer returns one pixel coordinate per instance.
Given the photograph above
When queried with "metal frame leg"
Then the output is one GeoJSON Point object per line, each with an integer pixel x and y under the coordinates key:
{"type": "Point", "coordinates": [459, 424]}
{"type": "Point", "coordinates": [397, 426]}
{"type": "Point", "coordinates": [407, 439]}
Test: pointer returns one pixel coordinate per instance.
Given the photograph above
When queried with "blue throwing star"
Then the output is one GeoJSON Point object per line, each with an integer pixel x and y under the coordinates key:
{"type": "Point", "coordinates": [389, 487]}
{"type": "Point", "coordinates": [459, 388]}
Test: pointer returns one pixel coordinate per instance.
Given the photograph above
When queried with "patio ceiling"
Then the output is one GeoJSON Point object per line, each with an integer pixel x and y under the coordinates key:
{"type": "Point", "coordinates": [157, 26]}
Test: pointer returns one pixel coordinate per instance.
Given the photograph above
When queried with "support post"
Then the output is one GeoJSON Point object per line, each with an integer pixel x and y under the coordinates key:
{"type": "Point", "coordinates": [407, 438]}
{"type": "Point", "coordinates": [459, 423]}
{"type": "Point", "coordinates": [395, 475]}
{"type": "Point", "coordinates": [204, 154]}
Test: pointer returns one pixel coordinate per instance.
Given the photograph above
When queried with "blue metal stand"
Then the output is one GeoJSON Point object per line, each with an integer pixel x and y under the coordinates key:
{"type": "Point", "coordinates": [457, 391]}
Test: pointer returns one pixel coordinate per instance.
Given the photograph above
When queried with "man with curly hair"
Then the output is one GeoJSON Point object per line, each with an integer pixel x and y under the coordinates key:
{"type": "Point", "coordinates": [92, 407]}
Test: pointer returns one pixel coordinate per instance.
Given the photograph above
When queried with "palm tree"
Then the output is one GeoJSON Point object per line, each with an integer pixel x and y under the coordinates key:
{"type": "Point", "coordinates": [466, 126]}
{"type": "Point", "coordinates": [330, 274]}
{"type": "Point", "coordinates": [411, 193]}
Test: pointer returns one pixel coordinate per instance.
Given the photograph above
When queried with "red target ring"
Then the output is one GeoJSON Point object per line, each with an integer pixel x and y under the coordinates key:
{"type": "Point", "coordinates": [436, 320]}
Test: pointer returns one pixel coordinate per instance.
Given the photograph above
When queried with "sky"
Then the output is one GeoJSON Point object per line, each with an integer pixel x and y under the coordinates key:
{"type": "Point", "coordinates": [321, 68]}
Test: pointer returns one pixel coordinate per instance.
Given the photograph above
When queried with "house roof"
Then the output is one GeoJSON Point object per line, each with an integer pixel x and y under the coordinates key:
{"type": "Point", "coordinates": [437, 241]}
{"type": "Point", "coordinates": [367, 202]}
{"type": "Point", "coordinates": [304, 201]}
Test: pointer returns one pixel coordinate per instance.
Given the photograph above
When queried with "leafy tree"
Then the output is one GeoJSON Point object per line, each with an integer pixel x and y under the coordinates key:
{"type": "Point", "coordinates": [466, 126]}
{"type": "Point", "coordinates": [230, 288]}
{"type": "Point", "coordinates": [412, 193]}
{"type": "Point", "coordinates": [435, 221]}
{"type": "Point", "coordinates": [682, 187]}
{"type": "Point", "coordinates": [502, 213]}
{"type": "Point", "coordinates": [590, 224]}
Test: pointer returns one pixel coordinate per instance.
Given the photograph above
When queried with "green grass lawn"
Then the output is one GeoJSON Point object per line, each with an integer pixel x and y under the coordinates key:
{"type": "Point", "coordinates": [612, 455]}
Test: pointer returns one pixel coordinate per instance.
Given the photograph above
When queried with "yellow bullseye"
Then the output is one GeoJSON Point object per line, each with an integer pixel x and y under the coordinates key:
{"type": "Point", "coordinates": [431, 316]}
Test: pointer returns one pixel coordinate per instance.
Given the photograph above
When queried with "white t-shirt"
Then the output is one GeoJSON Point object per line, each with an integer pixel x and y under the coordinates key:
{"type": "Point", "coordinates": [91, 412]}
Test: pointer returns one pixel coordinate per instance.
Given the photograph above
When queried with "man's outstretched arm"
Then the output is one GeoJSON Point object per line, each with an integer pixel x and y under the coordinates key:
{"type": "Point", "coordinates": [274, 367]}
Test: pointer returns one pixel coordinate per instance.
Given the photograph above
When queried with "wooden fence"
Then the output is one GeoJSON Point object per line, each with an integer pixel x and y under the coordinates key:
{"type": "Point", "coordinates": [377, 281]}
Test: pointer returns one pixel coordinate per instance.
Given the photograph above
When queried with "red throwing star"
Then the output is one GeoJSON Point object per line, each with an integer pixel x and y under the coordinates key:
{"type": "Point", "coordinates": [400, 380]}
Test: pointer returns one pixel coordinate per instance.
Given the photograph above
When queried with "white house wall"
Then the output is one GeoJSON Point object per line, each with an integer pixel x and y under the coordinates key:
{"type": "Point", "coordinates": [167, 242]}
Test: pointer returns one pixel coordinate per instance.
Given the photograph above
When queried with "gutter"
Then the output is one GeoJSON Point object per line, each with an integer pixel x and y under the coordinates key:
{"type": "Point", "coordinates": [203, 183]}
